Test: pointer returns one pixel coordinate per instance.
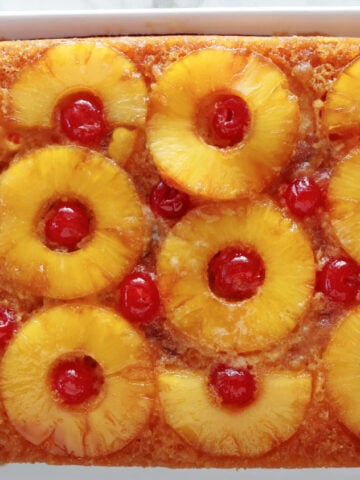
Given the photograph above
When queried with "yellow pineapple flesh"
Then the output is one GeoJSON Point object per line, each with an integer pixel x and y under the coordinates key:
{"type": "Point", "coordinates": [111, 420]}
{"type": "Point", "coordinates": [344, 202]}
{"type": "Point", "coordinates": [342, 362]}
{"type": "Point", "coordinates": [342, 111]}
{"type": "Point", "coordinates": [273, 417]}
{"type": "Point", "coordinates": [121, 145]}
{"type": "Point", "coordinates": [72, 67]}
{"type": "Point", "coordinates": [256, 322]}
{"type": "Point", "coordinates": [186, 160]}
{"type": "Point", "coordinates": [54, 173]}
{"type": "Point", "coordinates": [7, 146]}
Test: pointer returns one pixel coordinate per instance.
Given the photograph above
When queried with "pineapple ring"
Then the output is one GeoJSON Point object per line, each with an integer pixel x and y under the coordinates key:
{"type": "Point", "coordinates": [105, 425]}
{"type": "Point", "coordinates": [185, 160]}
{"type": "Point", "coordinates": [341, 109]}
{"type": "Point", "coordinates": [273, 417]}
{"type": "Point", "coordinates": [342, 362]}
{"type": "Point", "coordinates": [70, 67]}
{"type": "Point", "coordinates": [57, 172]}
{"type": "Point", "coordinates": [254, 323]}
{"type": "Point", "coordinates": [344, 199]}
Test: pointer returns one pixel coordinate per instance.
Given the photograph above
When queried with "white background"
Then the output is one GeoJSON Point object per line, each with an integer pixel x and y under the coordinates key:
{"type": "Point", "coordinates": [101, 4]}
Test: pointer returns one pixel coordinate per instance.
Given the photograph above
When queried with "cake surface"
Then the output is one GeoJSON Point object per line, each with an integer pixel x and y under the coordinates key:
{"type": "Point", "coordinates": [179, 255]}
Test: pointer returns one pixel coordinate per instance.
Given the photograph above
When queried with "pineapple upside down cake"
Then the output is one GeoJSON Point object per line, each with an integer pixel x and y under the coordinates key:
{"type": "Point", "coordinates": [179, 251]}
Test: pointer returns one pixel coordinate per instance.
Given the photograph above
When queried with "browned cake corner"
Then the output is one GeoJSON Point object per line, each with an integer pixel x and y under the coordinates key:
{"type": "Point", "coordinates": [179, 255]}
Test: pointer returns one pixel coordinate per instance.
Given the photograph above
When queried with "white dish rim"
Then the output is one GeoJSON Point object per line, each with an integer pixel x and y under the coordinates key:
{"type": "Point", "coordinates": [329, 21]}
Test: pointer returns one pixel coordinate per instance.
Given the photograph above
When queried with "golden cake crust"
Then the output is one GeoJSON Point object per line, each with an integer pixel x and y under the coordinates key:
{"type": "Point", "coordinates": [311, 64]}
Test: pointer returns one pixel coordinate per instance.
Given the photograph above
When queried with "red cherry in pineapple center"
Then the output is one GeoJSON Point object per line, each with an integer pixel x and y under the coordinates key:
{"type": "Point", "coordinates": [339, 279]}
{"type": "Point", "coordinates": [229, 118]}
{"type": "Point", "coordinates": [236, 273]}
{"type": "Point", "coordinates": [8, 325]}
{"type": "Point", "coordinates": [67, 224]}
{"type": "Point", "coordinates": [139, 299]}
{"type": "Point", "coordinates": [77, 380]}
{"type": "Point", "coordinates": [82, 118]}
{"type": "Point", "coordinates": [234, 386]}
{"type": "Point", "coordinates": [168, 202]}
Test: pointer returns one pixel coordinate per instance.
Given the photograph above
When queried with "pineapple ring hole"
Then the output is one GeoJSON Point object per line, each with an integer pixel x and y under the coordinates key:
{"type": "Point", "coordinates": [72, 236]}
{"type": "Point", "coordinates": [81, 118]}
{"type": "Point", "coordinates": [76, 379]}
{"type": "Point", "coordinates": [232, 387]}
{"type": "Point", "coordinates": [235, 273]}
{"type": "Point", "coordinates": [222, 119]}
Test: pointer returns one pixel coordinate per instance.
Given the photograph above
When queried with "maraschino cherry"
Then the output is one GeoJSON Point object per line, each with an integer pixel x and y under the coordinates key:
{"type": "Point", "coordinates": [236, 273]}
{"type": "Point", "coordinates": [67, 224]}
{"type": "Point", "coordinates": [82, 118]}
{"type": "Point", "coordinates": [168, 202]}
{"type": "Point", "coordinates": [229, 118]}
{"type": "Point", "coordinates": [8, 325]}
{"type": "Point", "coordinates": [339, 279]}
{"type": "Point", "coordinates": [75, 381]}
{"type": "Point", "coordinates": [235, 387]}
{"type": "Point", "coordinates": [139, 299]}
{"type": "Point", "coordinates": [303, 197]}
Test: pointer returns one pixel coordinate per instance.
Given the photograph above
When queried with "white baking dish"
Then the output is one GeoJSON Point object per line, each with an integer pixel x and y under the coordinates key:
{"type": "Point", "coordinates": [334, 21]}
{"type": "Point", "coordinates": [45, 472]}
